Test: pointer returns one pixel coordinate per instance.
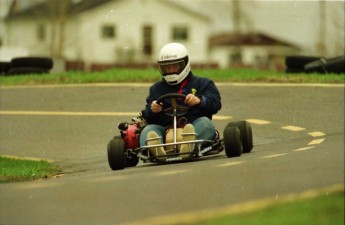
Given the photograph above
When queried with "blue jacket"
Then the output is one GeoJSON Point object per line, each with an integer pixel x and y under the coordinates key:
{"type": "Point", "coordinates": [202, 87]}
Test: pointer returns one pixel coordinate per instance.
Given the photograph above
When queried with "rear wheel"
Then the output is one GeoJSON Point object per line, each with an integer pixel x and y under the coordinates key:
{"type": "Point", "coordinates": [116, 153]}
{"type": "Point", "coordinates": [246, 134]}
{"type": "Point", "coordinates": [232, 142]}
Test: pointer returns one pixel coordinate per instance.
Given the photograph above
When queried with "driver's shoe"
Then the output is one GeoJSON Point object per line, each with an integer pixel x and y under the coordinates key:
{"type": "Point", "coordinates": [188, 134]}
{"type": "Point", "coordinates": [154, 139]}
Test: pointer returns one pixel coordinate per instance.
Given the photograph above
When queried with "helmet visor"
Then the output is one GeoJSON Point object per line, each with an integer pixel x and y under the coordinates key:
{"type": "Point", "coordinates": [175, 67]}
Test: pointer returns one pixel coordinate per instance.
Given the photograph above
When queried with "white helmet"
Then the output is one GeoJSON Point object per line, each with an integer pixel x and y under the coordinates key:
{"type": "Point", "coordinates": [174, 63]}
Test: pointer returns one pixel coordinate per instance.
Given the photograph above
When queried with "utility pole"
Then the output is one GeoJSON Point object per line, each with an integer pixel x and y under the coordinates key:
{"type": "Point", "coordinates": [62, 22]}
{"type": "Point", "coordinates": [237, 21]}
{"type": "Point", "coordinates": [321, 46]}
{"type": "Point", "coordinates": [58, 10]}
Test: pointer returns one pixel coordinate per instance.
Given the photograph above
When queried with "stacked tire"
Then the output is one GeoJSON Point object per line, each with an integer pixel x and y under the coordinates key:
{"type": "Point", "coordinates": [27, 65]}
{"type": "Point", "coordinates": [4, 68]}
{"type": "Point", "coordinates": [313, 64]}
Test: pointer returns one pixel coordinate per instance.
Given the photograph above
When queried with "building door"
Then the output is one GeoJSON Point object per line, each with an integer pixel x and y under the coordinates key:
{"type": "Point", "coordinates": [147, 41]}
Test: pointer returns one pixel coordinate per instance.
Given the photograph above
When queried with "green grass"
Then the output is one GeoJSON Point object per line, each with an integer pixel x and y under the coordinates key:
{"type": "Point", "coordinates": [324, 209]}
{"type": "Point", "coordinates": [152, 75]}
{"type": "Point", "coordinates": [12, 170]}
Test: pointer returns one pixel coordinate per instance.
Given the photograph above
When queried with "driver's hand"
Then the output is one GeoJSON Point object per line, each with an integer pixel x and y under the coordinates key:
{"type": "Point", "coordinates": [156, 108]}
{"type": "Point", "coordinates": [192, 100]}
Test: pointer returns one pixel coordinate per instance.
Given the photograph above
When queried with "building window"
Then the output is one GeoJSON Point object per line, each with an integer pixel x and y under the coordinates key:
{"type": "Point", "coordinates": [108, 31]}
{"type": "Point", "coordinates": [41, 32]}
{"type": "Point", "coordinates": [180, 33]}
{"type": "Point", "coordinates": [147, 40]}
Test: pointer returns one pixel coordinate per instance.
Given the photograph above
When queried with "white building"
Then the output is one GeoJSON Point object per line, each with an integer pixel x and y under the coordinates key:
{"type": "Point", "coordinates": [107, 31]}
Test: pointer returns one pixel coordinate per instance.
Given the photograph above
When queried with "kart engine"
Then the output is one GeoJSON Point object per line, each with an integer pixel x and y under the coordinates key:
{"type": "Point", "coordinates": [130, 132]}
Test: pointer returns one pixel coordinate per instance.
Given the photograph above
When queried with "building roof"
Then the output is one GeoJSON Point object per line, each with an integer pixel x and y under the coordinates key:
{"type": "Point", "coordinates": [248, 39]}
{"type": "Point", "coordinates": [50, 8]}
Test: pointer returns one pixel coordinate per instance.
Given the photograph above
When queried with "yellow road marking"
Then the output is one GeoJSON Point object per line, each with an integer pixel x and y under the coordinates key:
{"type": "Point", "coordinates": [107, 179]}
{"type": "Point", "coordinates": [220, 117]}
{"type": "Point", "coordinates": [293, 128]}
{"type": "Point", "coordinates": [230, 164]}
{"type": "Point", "coordinates": [316, 142]}
{"type": "Point", "coordinates": [273, 156]}
{"type": "Point", "coordinates": [53, 113]}
{"type": "Point", "coordinates": [173, 172]}
{"type": "Point", "coordinates": [316, 134]}
{"type": "Point", "coordinates": [258, 122]}
{"type": "Point", "coordinates": [303, 149]}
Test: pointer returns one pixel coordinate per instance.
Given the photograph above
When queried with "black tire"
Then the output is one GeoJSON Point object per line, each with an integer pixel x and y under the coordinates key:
{"type": "Point", "coordinates": [40, 62]}
{"type": "Point", "coordinates": [232, 142]}
{"type": "Point", "coordinates": [116, 153]}
{"type": "Point", "coordinates": [298, 62]}
{"type": "Point", "coordinates": [246, 134]}
{"type": "Point", "coordinates": [4, 67]}
{"type": "Point", "coordinates": [293, 70]}
{"type": "Point", "coordinates": [332, 65]}
{"type": "Point", "coordinates": [133, 161]}
{"type": "Point", "coordinates": [27, 70]}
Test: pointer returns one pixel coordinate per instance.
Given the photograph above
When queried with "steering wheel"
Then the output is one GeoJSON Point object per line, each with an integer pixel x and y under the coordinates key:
{"type": "Point", "coordinates": [181, 110]}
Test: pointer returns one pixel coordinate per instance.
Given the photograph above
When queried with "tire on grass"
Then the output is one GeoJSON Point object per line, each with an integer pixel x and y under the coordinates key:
{"type": "Point", "coordinates": [27, 70]}
{"type": "Point", "coordinates": [40, 62]}
{"type": "Point", "coordinates": [332, 65]}
{"type": "Point", "coordinates": [298, 62]}
{"type": "Point", "coordinates": [4, 67]}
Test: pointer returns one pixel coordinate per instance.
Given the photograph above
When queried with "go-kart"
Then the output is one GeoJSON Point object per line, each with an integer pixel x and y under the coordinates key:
{"type": "Point", "coordinates": [124, 149]}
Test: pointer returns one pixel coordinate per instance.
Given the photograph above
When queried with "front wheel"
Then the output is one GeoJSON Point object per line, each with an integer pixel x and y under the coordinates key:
{"type": "Point", "coordinates": [232, 142]}
{"type": "Point", "coordinates": [116, 153]}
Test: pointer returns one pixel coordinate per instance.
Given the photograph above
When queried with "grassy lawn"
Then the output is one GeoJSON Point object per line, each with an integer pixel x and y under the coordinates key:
{"type": "Point", "coordinates": [151, 75]}
{"type": "Point", "coordinates": [321, 210]}
{"type": "Point", "coordinates": [12, 170]}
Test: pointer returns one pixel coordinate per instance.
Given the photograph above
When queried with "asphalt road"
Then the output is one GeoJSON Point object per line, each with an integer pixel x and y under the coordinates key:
{"type": "Point", "coordinates": [298, 137]}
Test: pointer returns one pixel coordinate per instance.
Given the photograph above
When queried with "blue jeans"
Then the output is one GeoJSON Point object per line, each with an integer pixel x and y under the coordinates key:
{"type": "Point", "coordinates": [203, 127]}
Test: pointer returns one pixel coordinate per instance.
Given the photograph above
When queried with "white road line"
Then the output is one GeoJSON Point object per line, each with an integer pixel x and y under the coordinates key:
{"type": "Point", "coordinates": [316, 142]}
{"type": "Point", "coordinates": [273, 156]}
{"type": "Point", "coordinates": [293, 128]}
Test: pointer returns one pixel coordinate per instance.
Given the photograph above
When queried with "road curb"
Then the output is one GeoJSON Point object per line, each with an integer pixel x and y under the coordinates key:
{"type": "Point", "coordinates": [245, 84]}
{"type": "Point", "coordinates": [201, 215]}
{"type": "Point", "coordinates": [26, 158]}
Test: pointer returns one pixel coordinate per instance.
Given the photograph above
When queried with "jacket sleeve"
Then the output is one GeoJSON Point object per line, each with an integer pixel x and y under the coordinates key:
{"type": "Point", "coordinates": [210, 99]}
{"type": "Point", "coordinates": [151, 117]}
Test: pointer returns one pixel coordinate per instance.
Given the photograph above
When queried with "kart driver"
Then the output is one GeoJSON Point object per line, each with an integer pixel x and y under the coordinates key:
{"type": "Point", "coordinates": [202, 96]}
